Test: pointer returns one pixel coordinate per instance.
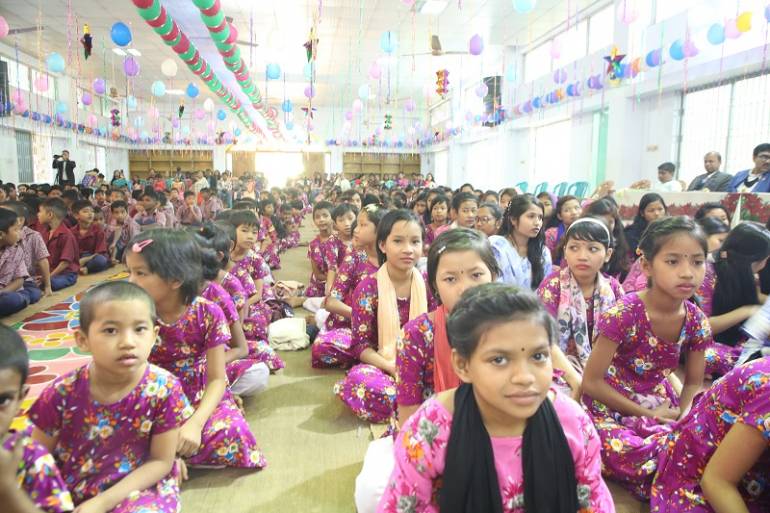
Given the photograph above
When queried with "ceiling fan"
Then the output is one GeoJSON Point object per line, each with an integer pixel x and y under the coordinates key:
{"type": "Point", "coordinates": [436, 49]}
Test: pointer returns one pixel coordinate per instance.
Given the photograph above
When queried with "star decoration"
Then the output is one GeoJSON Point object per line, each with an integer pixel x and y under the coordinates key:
{"type": "Point", "coordinates": [614, 70]}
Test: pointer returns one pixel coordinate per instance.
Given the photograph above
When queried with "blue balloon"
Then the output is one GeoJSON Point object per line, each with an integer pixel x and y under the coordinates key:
{"type": "Point", "coordinates": [192, 91]}
{"type": "Point", "coordinates": [388, 42]}
{"type": "Point", "coordinates": [677, 50]}
{"type": "Point", "coordinates": [308, 70]}
{"type": "Point", "coordinates": [287, 106]}
{"type": "Point", "coordinates": [158, 88]}
{"type": "Point", "coordinates": [273, 71]}
{"type": "Point", "coordinates": [55, 63]}
{"type": "Point", "coordinates": [61, 107]}
{"type": "Point", "coordinates": [523, 6]}
{"type": "Point", "coordinates": [716, 34]}
{"type": "Point", "coordinates": [131, 102]}
{"type": "Point", "coordinates": [289, 125]}
{"type": "Point", "coordinates": [237, 132]}
{"type": "Point", "coordinates": [221, 115]}
{"type": "Point", "coordinates": [653, 58]}
{"type": "Point", "coordinates": [120, 34]}
{"type": "Point", "coordinates": [537, 102]}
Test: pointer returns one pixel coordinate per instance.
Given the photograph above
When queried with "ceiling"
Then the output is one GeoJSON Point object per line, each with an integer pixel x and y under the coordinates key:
{"type": "Point", "coordinates": [348, 35]}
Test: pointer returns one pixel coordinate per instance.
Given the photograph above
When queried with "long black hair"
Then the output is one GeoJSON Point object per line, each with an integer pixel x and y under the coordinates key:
{"type": "Point", "coordinates": [470, 482]}
{"type": "Point", "coordinates": [385, 226]}
{"type": "Point", "coordinates": [460, 239]}
{"type": "Point", "coordinates": [516, 208]}
{"type": "Point", "coordinates": [635, 230]}
{"type": "Point", "coordinates": [618, 265]}
{"type": "Point", "coordinates": [735, 287]}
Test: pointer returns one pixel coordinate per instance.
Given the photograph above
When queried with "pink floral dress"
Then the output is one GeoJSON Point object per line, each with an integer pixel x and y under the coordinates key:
{"type": "Point", "coordinates": [97, 444]}
{"type": "Point", "coordinates": [741, 396]}
{"type": "Point", "coordinates": [271, 251]}
{"type": "Point", "coordinates": [414, 361]}
{"type": "Point", "coordinates": [639, 371]}
{"type": "Point", "coordinates": [420, 454]}
{"type": "Point", "coordinates": [259, 315]}
{"type": "Point", "coordinates": [332, 348]}
{"type": "Point", "coordinates": [226, 439]}
{"type": "Point", "coordinates": [39, 476]}
{"type": "Point", "coordinates": [317, 254]}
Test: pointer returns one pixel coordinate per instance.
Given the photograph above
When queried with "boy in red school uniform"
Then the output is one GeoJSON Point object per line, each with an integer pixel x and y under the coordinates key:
{"type": "Point", "coordinates": [119, 231]}
{"type": "Point", "coordinates": [91, 239]}
{"type": "Point", "coordinates": [64, 255]}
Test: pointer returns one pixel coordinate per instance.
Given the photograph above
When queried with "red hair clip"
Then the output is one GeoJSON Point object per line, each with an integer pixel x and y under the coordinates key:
{"type": "Point", "coordinates": [139, 246]}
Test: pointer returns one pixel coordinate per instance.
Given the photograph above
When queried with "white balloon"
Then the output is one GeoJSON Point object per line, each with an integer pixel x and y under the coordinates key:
{"type": "Point", "coordinates": [169, 68]}
{"type": "Point", "coordinates": [208, 105]}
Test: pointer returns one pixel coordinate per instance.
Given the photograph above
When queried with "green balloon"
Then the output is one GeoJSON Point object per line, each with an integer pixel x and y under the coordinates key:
{"type": "Point", "coordinates": [189, 54]}
{"type": "Point", "coordinates": [151, 13]}
{"type": "Point", "coordinates": [196, 66]}
{"type": "Point", "coordinates": [248, 89]}
{"type": "Point", "coordinates": [232, 61]}
{"type": "Point", "coordinates": [204, 4]}
{"type": "Point", "coordinates": [213, 21]}
{"type": "Point", "coordinates": [174, 41]}
{"type": "Point", "coordinates": [166, 27]}
{"type": "Point", "coordinates": [221, 36]}
{"type": "Point", "coordinates": [223, 46]}
{"type": "Point", "coordinates": [237, 53]}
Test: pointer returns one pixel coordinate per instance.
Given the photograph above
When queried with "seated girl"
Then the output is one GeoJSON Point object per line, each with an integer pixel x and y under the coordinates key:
{"type": "Point", "coordinates": [607, 209]}
{"type": "Point", "coordinates": [567, 210]}
{"type": "Point", "coordinates": [651, 208]}
{"type": "Point", "coordinates": [480, 447]}
{"type": "Point", "coordinates": [436, 218]}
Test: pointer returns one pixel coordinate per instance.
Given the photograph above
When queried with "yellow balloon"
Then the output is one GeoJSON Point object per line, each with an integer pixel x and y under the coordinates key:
{"type": "Point", "coordinates": [744, 22]}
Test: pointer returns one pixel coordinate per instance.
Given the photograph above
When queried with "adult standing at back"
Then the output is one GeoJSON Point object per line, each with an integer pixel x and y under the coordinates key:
{"type": "Point", "coordinates": [65, 168]}
{"type": "Point", "coordinates": [713, 180]}
{"type": "Point", "coordinates": [758, 178]}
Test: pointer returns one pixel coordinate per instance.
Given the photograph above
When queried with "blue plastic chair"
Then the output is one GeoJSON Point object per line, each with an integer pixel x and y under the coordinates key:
{"type": "Point", "coordinates": [560, 188]}
{"type": "Point", "coordinates": [541, 187]}
{"type": "Point", "coordinates": [523, 186]}
{"type": "Point", "coordinates": [578, 189]}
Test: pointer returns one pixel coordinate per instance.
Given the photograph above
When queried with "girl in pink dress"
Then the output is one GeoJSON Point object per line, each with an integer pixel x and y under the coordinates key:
{"type": "Point", "coordinates": [270, 247]}
{"type": "Point", "coordinates": [31, 475]}
{"type": "Point", "coordinates": [627, 386]}
{"type": "Point", "coordinates": [577, 294]}
{"type": "Point", "coordinates": [717, 459]}
{"type": "Point", "coordinates": [193, 334]}
{"type": "Point", "coordinates": [316, 251]}
{"type": "Point", "coordinates": [437, 218]}
{"type": "Point", "coordinates": [340, 243]}
{"type": "Point", "coordinates": [382, 304]}
{"type": "Point", "coordinates": [292, 232]}
{"type": "Point", "coordinates": [475, 448]}
{"type": "Point", "coordinates": [114, 425]}
{"type": "Point", "coordinates": [332, 347]}
{"type": "Point", "coordinates": [567, 210]}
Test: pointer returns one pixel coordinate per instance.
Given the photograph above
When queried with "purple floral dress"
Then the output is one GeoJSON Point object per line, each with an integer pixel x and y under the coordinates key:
{"type": "Point", "coordinates": [639, 372]}
{"type": "Point", "coordinates": [414, 361]}
{"type": "Point", "coordinates": [368, 391]}
{"type": "Point", "coordinates": [290, 241]}
{"type": "Point", "coordinates": [317, 254]}
{"type": "Point", "coordinates": [741, 396]}
{"type": "Point", "coordinates": [720, 358]}
{"type": "Point", "coordinates": [420, 454]}
{"type": "Point", "coordinates": [258, 317]}
{"type": "Point", "coordinates": [332, 348]}
{"type": "Point", "coordinates": [226, 439]}
{"type": "Point", "coordinates": [97, 445]}
{"type": "Point", "coordinates": [335, 250]}
{"type": "Point", "coordinates": [39, 476]}
{"type": "Point", "coordinates": [255, 265]}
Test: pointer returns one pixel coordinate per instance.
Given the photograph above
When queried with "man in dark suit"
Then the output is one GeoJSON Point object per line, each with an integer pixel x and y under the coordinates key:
{"type": "Point", "coordinates": [713, 179]}
{"type": "Point", "coordinates": [65, 168]}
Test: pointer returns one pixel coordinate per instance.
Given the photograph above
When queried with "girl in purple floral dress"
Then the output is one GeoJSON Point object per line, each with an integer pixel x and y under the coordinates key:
{"type": "Point", "coordinates": [626, 382]}
{"type": "Point", "coordinates": [437, 218]}
{"type": "Point", "coordinates": [332, 348]}
{"type": "Point", "coordinates": [341, 242]}
{"type": "Point", "coordinates": [31, 475]}
{"type": "Point", "coordinates": [475, 448]}
{"type": "Point", "coordinates": [567, 210]}
{"type": "Point", "coordinates": [194, 335]}
{"type": "Point", "coordinates": [717, 458]}
{"type": "Point", "coordinates": [316, 251]}
{"type": "Point", "coordinates": [382, 304]}
{"type": "Point", "coordinates": [113, 425]}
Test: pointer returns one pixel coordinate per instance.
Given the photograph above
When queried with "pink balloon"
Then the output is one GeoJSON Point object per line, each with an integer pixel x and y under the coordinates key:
{"type": "Point", "coordinates": [309, 92]}
{"type": "Point", "coordinates": [357, 105]}
{"type": "Point", "coordinates": [199, 114]}
{"type": "Point", "coordinates": [375, 72]}
{"type": "Point", "coordinates": [555, 49]}
{"type": "Point", "coordinates": [99, 86]}
{"type": "Point", "coordinates": [4, 28]}
{"type": "Point", "coordinates": [86, 98]}
{"type": "Point", "coordinates": [92, 120]}
{"type": "Point", "coordinates": [731, 30]}
{"type": "Point", "coordinates": [41, 83]}
{"type": "Point", "coordinates": [690, 50]}
{"type": "Point", "coordinates": [175, 122]}
{"type": "Point", "coordinates": [20, 106]}
{"type": "Point", "coordinates": [17, 96]}
{"type": "Point", "coordinates": [348, 115]}
{"type": "Point", "coordinates": [233, 35]}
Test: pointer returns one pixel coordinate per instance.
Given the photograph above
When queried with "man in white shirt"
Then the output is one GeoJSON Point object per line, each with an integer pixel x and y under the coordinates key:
{"type": "Point", "coordinates": [666, 182]}
{"type": "Point", "coordinates": [200, 183]}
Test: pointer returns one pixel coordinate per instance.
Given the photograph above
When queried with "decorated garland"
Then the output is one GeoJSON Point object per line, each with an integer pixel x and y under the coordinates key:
{"type": "Point", "coordinates": [161, 22]}
{"type": "Point", "coordinates": [225, 39]}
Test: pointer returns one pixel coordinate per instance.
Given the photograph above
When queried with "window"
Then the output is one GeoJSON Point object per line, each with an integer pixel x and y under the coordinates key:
{"type": "Point", "coordinates": [704, 128]}
{"type": "Point", "coordinates": [18, 75]}
{"type": "Point", "coordinates": [748, 121]}
{"type": "Point", "coordinates": [601, 29]}
{"type": "Point", "coordinates": [573, 44]}
{"type": "Point", "coordinates": [537, 62]}
{"type": "Point", "coordinates": [549, 165]}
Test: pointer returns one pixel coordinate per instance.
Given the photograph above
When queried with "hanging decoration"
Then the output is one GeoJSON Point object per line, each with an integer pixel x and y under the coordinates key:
{"type": "Point", "coordinates": [388, 42]}
{"type": "Point", "coordinates": [87, 41]}
{"type": "Point", "coordinates": [192, 91]}
{"type": "Point", "coordinates": [115, 118]}
{"type": "Point", "coordinates": [442, 82]}
{"type": "Point", "coordinates": [86, 98]}
{"type": "Point", "coordinates": [524, 6]}
{"type": "Point", "coordinates": [131, 66]}
{"type": "Point", "coordinates": [54, 63]}
{"type": "Point", "coordinates": [120, 34]}
{"type": "Point", "coordinates": [169, 68]}
{"type": "Point", "coordinates": [614, 70]}
{"type": "Point", "coordinates": [273, 71]}
{"type": "Point", "coordinates": [388, 121]}
{"type": "Point", "coordinates": [311, 45]}
{"type": "Point", "coordinates": [180, 110]}
{"type": "Point", "coordinates": [99, 86]}
{"type": "Point", "coordinates": [476, 45]}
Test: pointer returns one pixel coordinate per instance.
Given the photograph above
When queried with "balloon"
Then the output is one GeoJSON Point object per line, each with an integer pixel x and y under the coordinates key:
{"type": "Point", "coordinates": [130, 66]}
{"type": "Point", "coordinates": [41, 83]}
{"type": "Point", "coordinates": [677, 50]}
{"type": "Point", "coordinates": [4, 28]}
{"type": "Point", "coordinates": [409, 105]}
{"type": "Point", "coordinates": [388, 42]}
{"type": "Point", "coordinates": [158, 88]}
{"type": "Point", "coordinates": [237, 132]}
{"type": "Point", "coordinates": [175, 122]}
{"type": "Point", "coordinates": [309, 91]}
{"type": "Point", "coordinates": [120, 34]}
{"type": "Point", "coordinates": [208, 104]}
{"type": "Point", "coordinates": [716, 34]}
{"type": "Point", "coordinates": [476, 45]}
{"type": "Point", "coordinates": [482, 90]}
{"type": "Point", "coordinates": [363, 92]}
{"type": "Point", "coordinates": [375, 72]}
{"type": "Point", "coordinates": [199, 114]}
{"type": "Point", "coordinates": [54, 62]}
{"type": "Point", "coordinates": [287, 106]}
{"type": "Point", "coordinates": [524, 6]}
{"type": "Point", "coordinates": [731, 29]}
{"type": "Point", "coordinates": [743, 23]}
{"type": "Point", "coordinates": [559, 76]}
{"type": "Point", "coordinates": [273, 71]}
{"type": "Point", "coordinates": [92, 121]}
{"type": "Point", "coordinates": [192, 91]}
{"type": "Point", "coordinates": [690, 50]}
{"type": "Point", "coordinates": [653, 58]}
{"type": "Point", "coordinates": [767, 13]}
{"type": "Point", "coordinates": [555, 50]}
{"type": "Point", "coordinates": [627, 14]}
{"type": "Point", "coordinates": [289, 125]}
{"type": "Point", "coordinates": [349, 115]}
{"type": "Point", "coordinates": [357, 105]}
{"type": "Point", "coordinates": [537, 102]}
{"type": "Point", "coordinates": [138, 122]}
{"type": "Point", "coordinates": [86, 98]}
{"type": "Point", "coordinates": [221, 115]}
{"type": "Point", "coordinates": [99, 86]}
{"type": "Point", "coordinates": [169, 68]}
{"type": "Point", "coordinates": [308, 71]}
{"type": "Point", "coordinates": [61, 107]}
{"type": "Point", "coordinates": [131, 102]}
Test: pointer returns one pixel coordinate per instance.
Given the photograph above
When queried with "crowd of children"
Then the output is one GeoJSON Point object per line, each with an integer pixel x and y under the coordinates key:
{"type": "Point", "coordinates": [592, 356]}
